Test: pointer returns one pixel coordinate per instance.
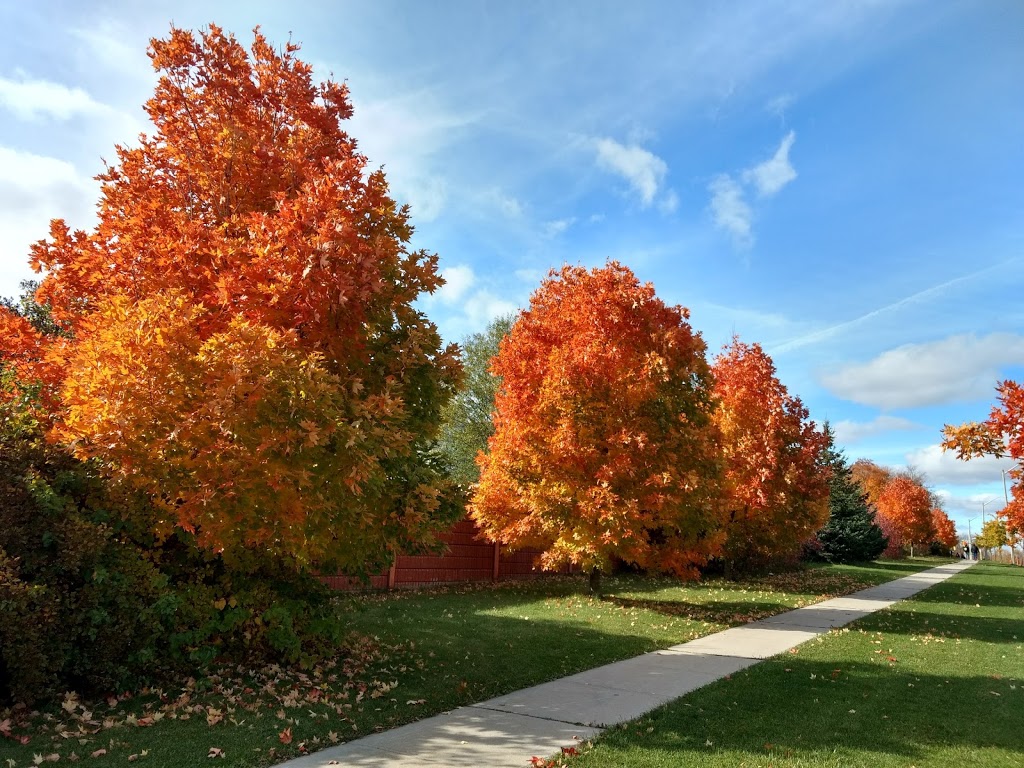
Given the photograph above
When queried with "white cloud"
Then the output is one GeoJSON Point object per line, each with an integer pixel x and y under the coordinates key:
{"type": "Point", "coordinates": [643, 170]}
{"type": "Point", "coordinates": [955, 369]}
{"type": "Point", "coordinates": [483, 306]}
{"type": "Point", "coordinates": [558, 226]}
{"type": "Point", "coordinates": [944, 468]}
{"type": "Point", "coordinates": [458, 280]}
{"type": "Point", "coordinates": [669, 202]}
{"type": "Point", "coordinates": [31, 99]}
{"type": "Point", "coordinates": [730, 210]}
{"type": "Point", "coordinates": [848, 432]}
{"type": "Point", "coordinates": [729, 205]}
{"type": "Point", "coordinates": [773, 174]}
{"type": "Point", "coordinates": [33, 190]}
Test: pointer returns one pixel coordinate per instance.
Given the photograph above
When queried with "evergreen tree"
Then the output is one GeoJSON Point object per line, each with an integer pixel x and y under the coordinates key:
{"type": "Point", "coordinates": [851, 533]}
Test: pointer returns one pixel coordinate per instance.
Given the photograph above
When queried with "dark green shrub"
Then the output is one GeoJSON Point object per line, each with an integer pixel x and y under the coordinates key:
{"type": "Point", "coordinates": [90, 601]}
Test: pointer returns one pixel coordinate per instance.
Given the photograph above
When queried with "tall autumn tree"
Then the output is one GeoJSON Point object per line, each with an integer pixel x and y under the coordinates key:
{"type": "Point", "coordinates": [1002, 434]}
{"type": "Point", "coordinates": [907, 505]}
{"type": "Point", "coordinates": [776, 489]}
{"type": "Point", "coordinates": [466, 425]}
{"type": "Point", "coordinates": [602, 446]}
{"type": "Point", "coordinates": [944, 530]}
{"type": "Point", "coordinates": [871, 477]}
{"type": "Point", "coordinates": [242, 340]}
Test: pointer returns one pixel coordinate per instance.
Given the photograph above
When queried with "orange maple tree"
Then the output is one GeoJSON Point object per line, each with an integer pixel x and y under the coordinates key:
{"type": "Point", "coordinates": [872, 478]}
{"type": "Point", "coordinates": [944, 529]}
{"type": "Point", "coordinates": [776, 490]}
{"type": "Point", "coordinates": [907, 505]}
{"type": "Point", "coordinates": [602, 445]}
{"type": "Point", "coordinates": [1002, 434]}
{"type": "Point", "coordinates": [242, 340]}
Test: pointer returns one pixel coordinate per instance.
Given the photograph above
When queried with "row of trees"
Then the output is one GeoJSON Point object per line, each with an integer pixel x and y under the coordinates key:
{"type": "Point", "coordinates": [227, 380]}
{"type": "Point", "coordinates": [908, 512]}
{"type": "Point", "coordinates": [614, 439]}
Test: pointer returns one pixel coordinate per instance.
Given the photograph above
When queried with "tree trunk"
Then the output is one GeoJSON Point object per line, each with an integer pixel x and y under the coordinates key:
{"type": "Point", "coordinates": [595, 581]}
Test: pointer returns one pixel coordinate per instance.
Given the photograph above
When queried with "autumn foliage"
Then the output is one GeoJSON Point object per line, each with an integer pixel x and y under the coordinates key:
{"type": "Point", "coordinates": [944, 530]}
{"type": "Point", "coordinates": [776, 489]}
{"type": "Point", "coordinates": [241, 339]}
{"type": "Point", "coordinates": [907, 505]}
{"type": "Point", "coordinates": [602, 446]}
{"type": "Point", "coordinates": [1002, 434]}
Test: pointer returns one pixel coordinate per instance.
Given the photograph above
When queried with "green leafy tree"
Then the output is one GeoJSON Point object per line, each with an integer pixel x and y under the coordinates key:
{"type": "Point", "coordinates": [467, 423]}
{"type": "Point", "coordinates": [851, 533]}
{"type": "Point", "coordinates": [993, 534]}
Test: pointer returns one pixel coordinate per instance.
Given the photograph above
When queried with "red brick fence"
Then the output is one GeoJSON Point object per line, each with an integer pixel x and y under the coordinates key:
{"type": "Point", "coordinates": [469, 557]}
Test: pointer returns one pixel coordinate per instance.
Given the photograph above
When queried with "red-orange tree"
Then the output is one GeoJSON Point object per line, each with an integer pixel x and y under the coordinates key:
{"type": "Point", "coordinates": [244, 342]}
{"type": "Point", "coordinates": [776, 488]}
{"type": "Point", "coordinates": [907, 505]}
{"type": "Point", "coordinates": [944, 529]}
{"type": "Point", "coordinates": [872, 478]}
{"type": "Point", "coordinates": [1002, 434]}
{"type": "Point", "coordinates": [602, 445]}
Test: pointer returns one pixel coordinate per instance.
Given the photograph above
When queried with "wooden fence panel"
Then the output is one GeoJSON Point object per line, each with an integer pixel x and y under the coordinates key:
{"type": "Point", "coordinates": [468, 557]}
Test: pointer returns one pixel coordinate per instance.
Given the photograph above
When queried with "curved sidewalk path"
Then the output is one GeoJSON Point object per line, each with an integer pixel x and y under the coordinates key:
{"type": "Point", "coordinates": [509, 730]}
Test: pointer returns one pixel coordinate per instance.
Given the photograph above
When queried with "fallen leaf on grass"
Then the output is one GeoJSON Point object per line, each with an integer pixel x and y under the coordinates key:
{"type": "Point", "coordinates": [415, 702]}
{"type": "Point", "coordinates": [285, 736]}
{"type": "Point", "coordinates": [216, 752]}
{"type": "Point", "coordinates": [98, 753]}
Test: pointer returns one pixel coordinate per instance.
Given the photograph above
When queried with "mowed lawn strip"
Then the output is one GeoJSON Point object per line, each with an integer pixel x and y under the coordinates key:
{"type": "Point", "coordinates": [414, 654]}
{"type": "Point", "coordinates": [937, 680]}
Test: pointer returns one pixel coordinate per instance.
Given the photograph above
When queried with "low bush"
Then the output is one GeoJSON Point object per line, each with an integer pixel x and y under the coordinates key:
{"type": "Point", "coordinates": [91, 601]}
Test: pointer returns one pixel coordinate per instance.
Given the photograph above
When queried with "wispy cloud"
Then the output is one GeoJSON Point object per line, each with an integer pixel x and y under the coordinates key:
{"type": "Point", "coordinates": [956, 369]}
{"type": "Point", "coordinates": [407, 133]}
{"type": "Point", "coordinates": [774, 173]}
{"type": "Point", "coordinates": [508, 206]}
{"type": "Point", "coordinates": [643, 170]}
{"type": "Point", "coordinates": [832, 331]}
{"type": "Point", "coordinates": [558, 226]}
{"type": "Point", "coordinates": [730, 210]}
{"type": "Point", "coordinates": [729, 207]}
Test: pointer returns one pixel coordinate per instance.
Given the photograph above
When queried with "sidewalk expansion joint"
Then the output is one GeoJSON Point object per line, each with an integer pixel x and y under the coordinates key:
{"type": "Point", "coordinates": [534, 717]}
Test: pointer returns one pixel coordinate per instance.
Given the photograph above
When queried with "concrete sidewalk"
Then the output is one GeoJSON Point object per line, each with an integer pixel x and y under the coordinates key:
{"type": "Point", "coordinates": [509, 730]}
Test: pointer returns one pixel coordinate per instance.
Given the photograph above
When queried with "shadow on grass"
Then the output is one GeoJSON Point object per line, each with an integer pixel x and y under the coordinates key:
{"type": "Point", "coordinates": [815, 708]}
{"type": "Point", "coordinates": [968, 590]}
{"type": "Point", "coordinates": [714, 612]}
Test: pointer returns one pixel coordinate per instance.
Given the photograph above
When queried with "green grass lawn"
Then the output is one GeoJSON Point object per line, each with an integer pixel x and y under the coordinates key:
{"type": "Point", "coordinates": [935, 681]}
{"type": "Point", "coordinates": [413, 654]}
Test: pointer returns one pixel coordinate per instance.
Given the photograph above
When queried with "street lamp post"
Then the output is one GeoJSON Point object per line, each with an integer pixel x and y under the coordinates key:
{"type": "Point", "coordinates": [983, 505]}
{"type": "Point", "coordinates": [1006, 496]}
{"type": "Point", "coordinates": [970, 539]}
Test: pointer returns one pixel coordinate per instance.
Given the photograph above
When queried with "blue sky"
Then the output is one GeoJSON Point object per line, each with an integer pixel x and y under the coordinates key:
{"type": "Point", "coordinates": [839, 181]}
